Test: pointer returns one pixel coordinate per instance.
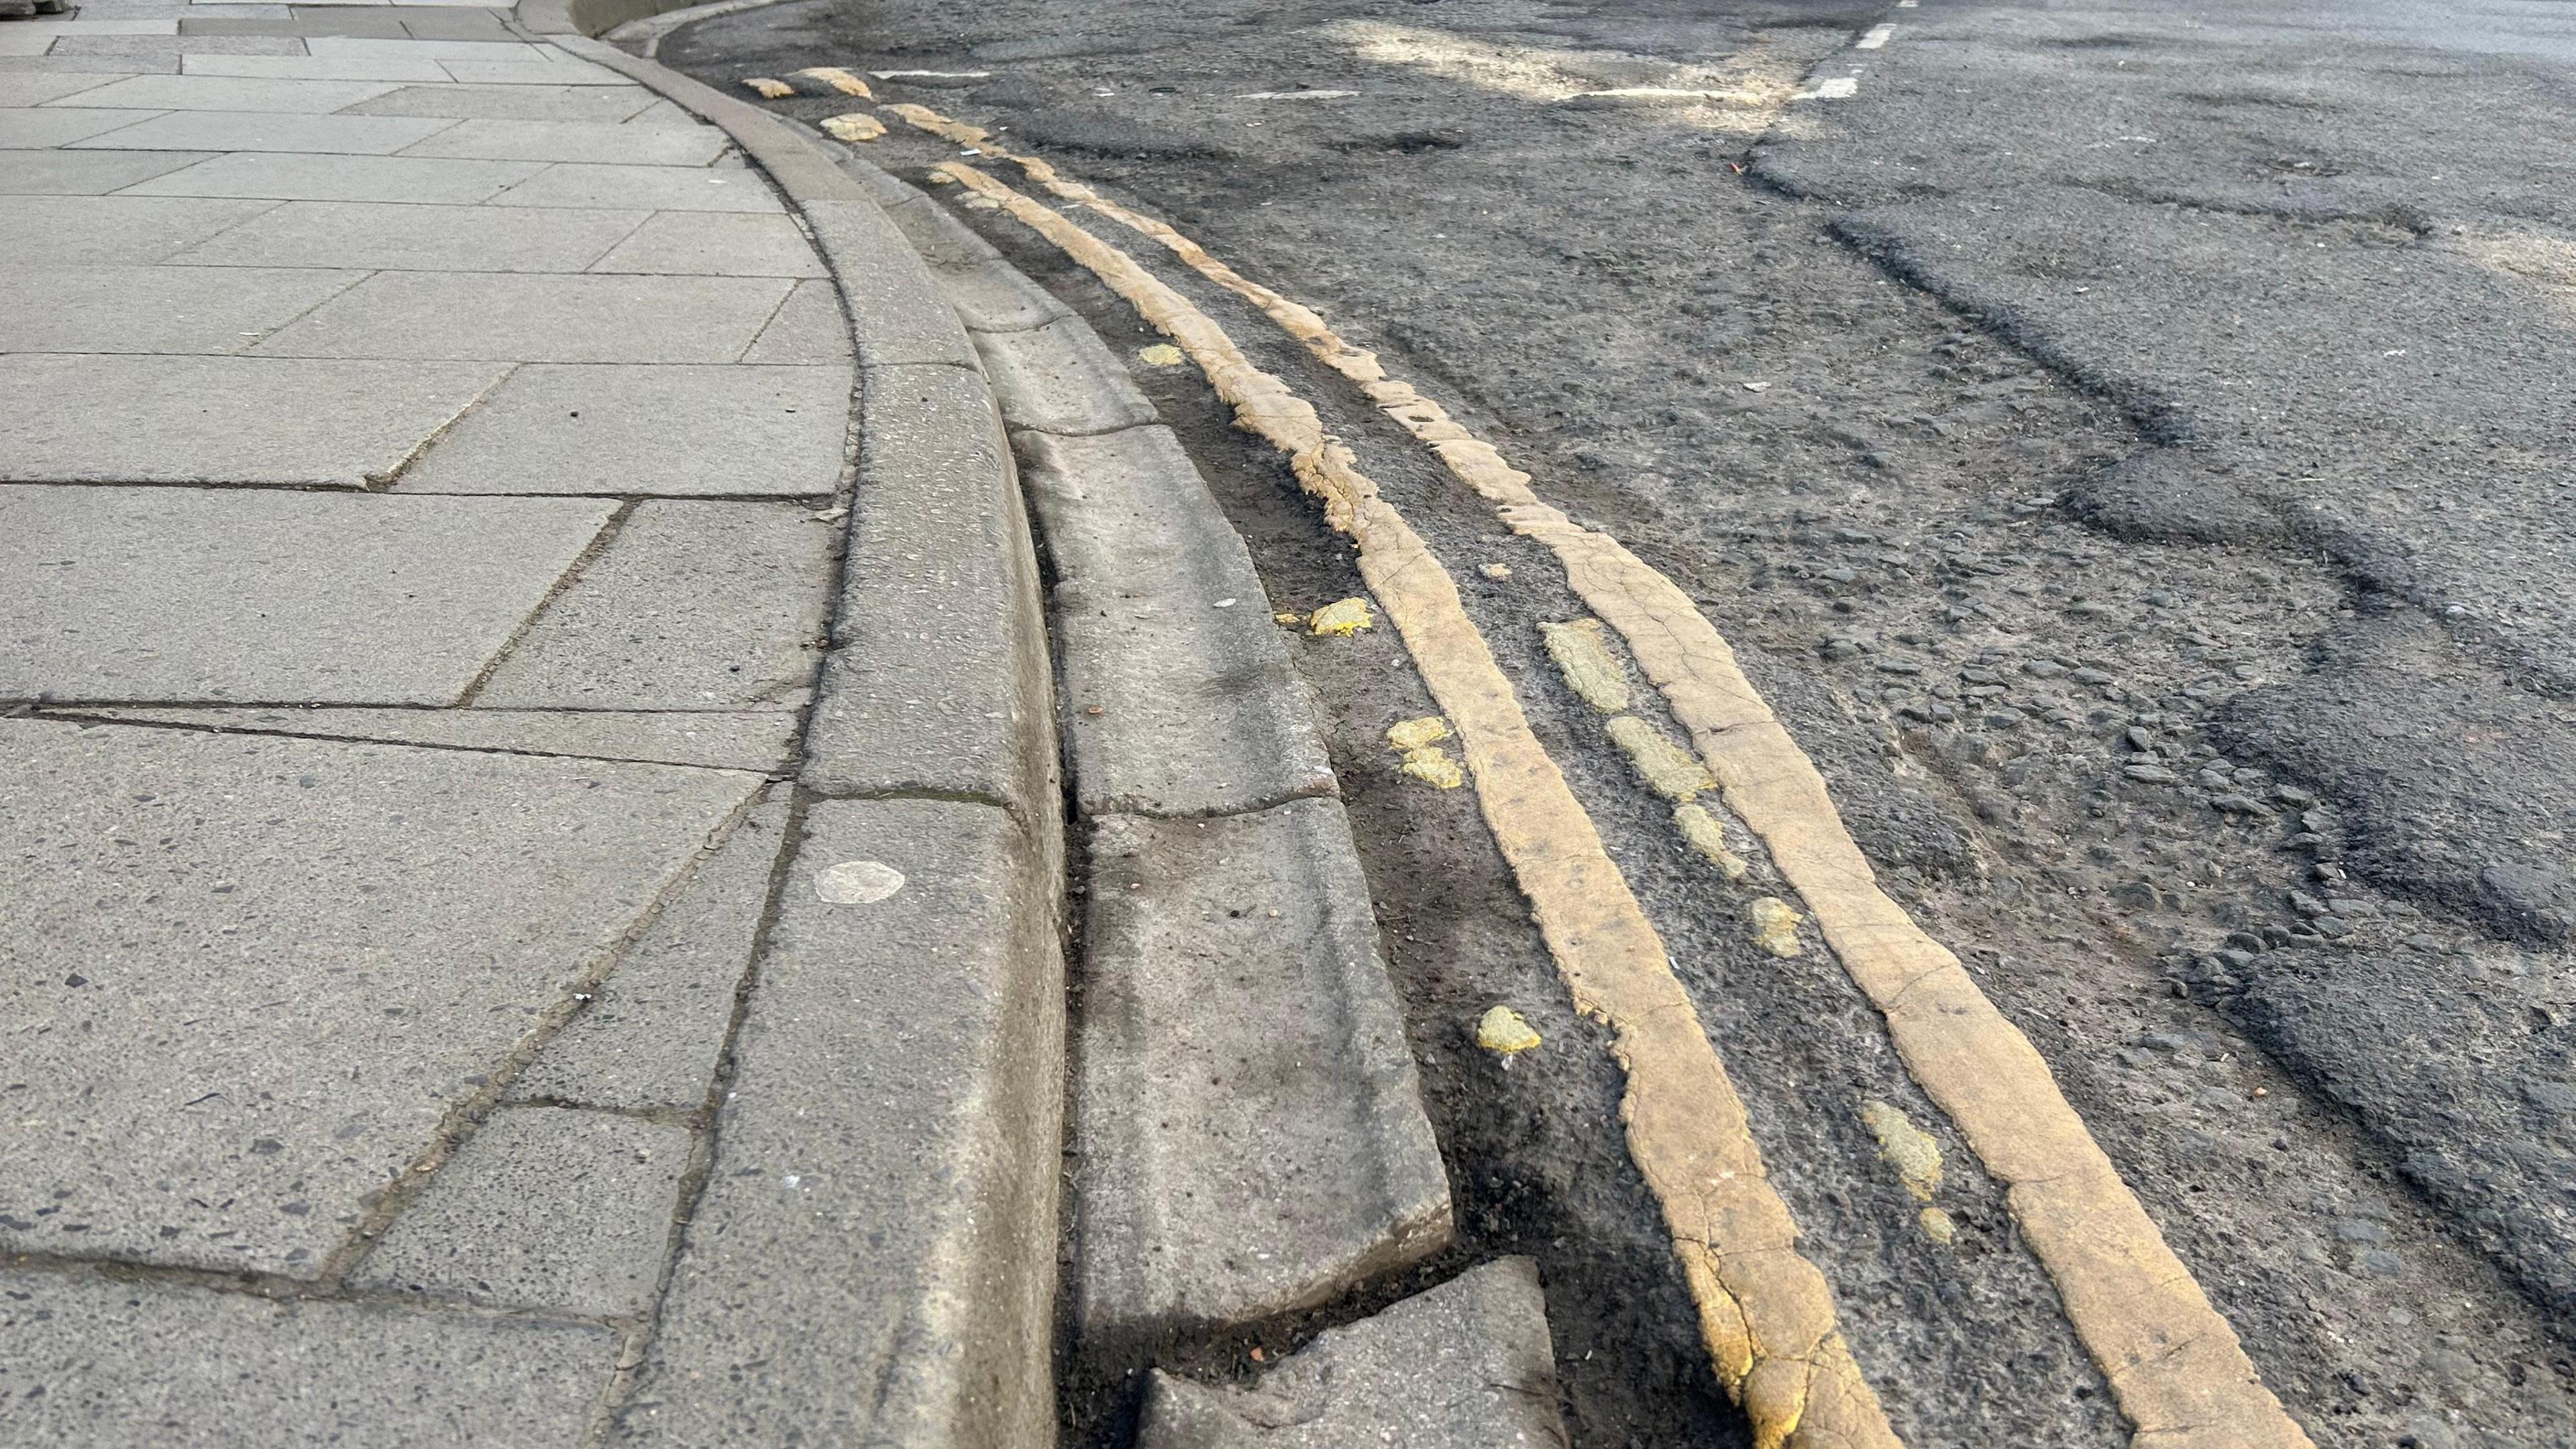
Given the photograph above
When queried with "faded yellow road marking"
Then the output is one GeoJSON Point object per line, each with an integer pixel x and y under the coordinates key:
{"type": "Point", "coordinates": [2173, 1361]}
{"type": "Point", "coordinates": [1765, 1312]}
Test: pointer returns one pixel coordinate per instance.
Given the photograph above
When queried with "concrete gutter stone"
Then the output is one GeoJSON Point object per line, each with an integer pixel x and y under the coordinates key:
{"type": "Point", "coordinates": [1061, 378]}
{"type": "Point", "coordinates": [1250, 1131]}
{"type": "Point", "coordinates": [1179, 699]}
{"type": "Point", "coordinates": [1466, 1365]}
{"type": "Point", "coordinates": [873, 1261]}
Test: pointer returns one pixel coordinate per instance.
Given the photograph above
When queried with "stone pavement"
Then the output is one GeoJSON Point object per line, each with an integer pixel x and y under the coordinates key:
{"type": "Point", "coordinates": [423, 458]}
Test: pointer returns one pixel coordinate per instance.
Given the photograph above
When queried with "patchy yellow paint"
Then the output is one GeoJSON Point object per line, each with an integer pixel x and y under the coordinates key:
{"type": "Point", "coordinates": [1702, 832]}
{"type": "Point", "coordinates": [1432, 766]}
{"type": "Point", "coordinates": [2174, 1363]}
{"type": "Point", "coordinates": [853, 126]}
{"type": "Point", "coordinates": [1413, 734]}
{"type": "Point", "coordinates": [1766, 1313]}
{"type": "Point", "coordinates": [1496, 571]}
{"type": "Point", "coordinates": [1937, 1226]}
{"type": "Point", "coordinates": [835, 78]}
{"type": "Point", "coordinates": [1775, 926]}
{"type": "Point", "coordinates": [1163, 354]}
{"type": "Point", "coordinates": [1586, 664]}
{"type": "Point", "coordinates": [1340, 620]}
{"type": "Point", "coordinates": [1287, 618]}
{"type": "Point", "coordinates": [1908, 1148]}
{"type": "Point", "coordinates": [768, 89]}
{"type": "Point", "coordinates": [1667, 768]}
{"type": "Point", "coordinates": [1504, 1030]}
{"type": "Point", "coordinates": [1418, 740]}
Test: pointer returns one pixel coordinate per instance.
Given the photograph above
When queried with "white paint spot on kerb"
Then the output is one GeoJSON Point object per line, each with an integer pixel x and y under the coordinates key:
{"type": "Point", "coordinates": [858, 882]}
{"type": "Point", "coordinates": [1874, 37]}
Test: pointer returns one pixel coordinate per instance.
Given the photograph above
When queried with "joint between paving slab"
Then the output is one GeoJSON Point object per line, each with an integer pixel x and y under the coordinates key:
{"type": "Point", "coordinates": [77, 715]}
{"type": "Point", "coordinates": [403, 464]}
{"type": "Point", "coordinates": [284, 1288]}
{"type": "Point", "coordinates": [597, 549]}
{"type": "Point", "coordinates": [465, 1118]}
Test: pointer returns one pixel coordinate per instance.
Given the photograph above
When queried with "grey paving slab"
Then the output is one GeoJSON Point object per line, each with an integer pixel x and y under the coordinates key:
{"type": "Point", "coordinates": [1180, 697]}
{"type": "Point", "coordinates": [270, 131]}
{"type": "Point", "coordinates": [535, 318]}
{"type": "Point", "coordinates": [1061, 378]}
{"type": "Point", "coordinates": [176, 47]}
{"type": "Point", "coordinates": [607, 142]}
{"type": "Point", "coordinates": [938, 677]}
{"type": "Point", "coordinates": [84, 173]}
{"type": "Point", "coordinates": [109, 419]}
{"type": "Point", "coordinates": [176, 595]}
{"type": "Point", "coordinates": [124, 1364]}
{"type": "Point", "coordinates": [289, 177]}
{"type": "Point", "coordinates": [156, 309]}
{"type": "Point", "coordinates": [651, 1035]}
{"type": "Point", "coordinates": [533, 72]}
{"type": "Point", "coordinates": [543, 1207]}
{"type": "Point", "coordinates": [35, 90]}
{"type": "Point", "coordinates": [874, 1257]}
{"type": "Point", "coordinates": [810, 327]}
{"type": "Point", "coordinates": [663, 113]}
{"type": "Point", "coordinates": [522, 103]}
{"type": "Point", "coordinates": [761, 740]}
{"type": "Point", "coordinates": [458, 22]}
{"type": "Point", "coordinates": [1244, 1078]}
{"type": "Point", "coordinates": [415, 236]}
{"type": "Point", "coordinates": [1466, 1365]}
{"type": "Point", "coordinates": [412, 48]}
{"type": "Point", "coordinates": [93, 230]}
{"type": "Point", "coordinates": [270, 966]}
{"type": "Point", "coordinates": [231, 93]}
{"type": "Point", "coordinates": [66, 64]}
{"type": "Point", "coordinates": [695, 605]}
{"type": "Point", "coordinates": [710, 243]}
{"type": "Point", "coordinates": [314, 67]}
{"type": "Point", "coordinates": [655, 188]}
{"type": "Point", "coordinates": [705, 431]}
{"type": "Point", "coordinates": [32, 128]}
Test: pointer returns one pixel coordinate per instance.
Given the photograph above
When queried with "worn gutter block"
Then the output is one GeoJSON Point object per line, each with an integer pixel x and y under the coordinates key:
{"type": "Point", "coordinates": [873, 1261]}
{"type": "Point", "coordinates": [938, 678]}
{"type": "Point", "coordinates": [1250, 1125]}
{"type": "Point", "coordinates": [895, 315]}
{"type": "Point", "coordinates": [1466, 1365]}
{"type": "Point", "coordinates": [545, 1207]}
{"type": "Point", "coordinates": [1179, 697]}
{"type": "Point", "coordinates": [1061, 378]}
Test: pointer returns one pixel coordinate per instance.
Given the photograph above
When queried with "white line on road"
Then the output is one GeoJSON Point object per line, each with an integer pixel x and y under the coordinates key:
{"type": "Point", "coordinates": [1875, 37]}
{"type": "Point", "coordinates": [1827, 90]}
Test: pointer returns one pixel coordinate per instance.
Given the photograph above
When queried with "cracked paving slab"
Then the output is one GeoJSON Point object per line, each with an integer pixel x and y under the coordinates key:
{"type": "Point", "coordinates": [249, 976]}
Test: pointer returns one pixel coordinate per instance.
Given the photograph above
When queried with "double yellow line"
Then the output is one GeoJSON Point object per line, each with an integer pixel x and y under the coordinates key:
{"type": "Point", "coordinates": [2173, 1362]}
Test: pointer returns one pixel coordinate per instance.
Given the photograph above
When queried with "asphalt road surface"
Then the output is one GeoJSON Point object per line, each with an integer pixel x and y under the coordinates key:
{"type": "Point", "coordinates": [2134, 449]}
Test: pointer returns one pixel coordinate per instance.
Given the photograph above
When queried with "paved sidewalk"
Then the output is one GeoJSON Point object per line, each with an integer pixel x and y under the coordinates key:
{"type": "Point", "coordinates": [421, 468]}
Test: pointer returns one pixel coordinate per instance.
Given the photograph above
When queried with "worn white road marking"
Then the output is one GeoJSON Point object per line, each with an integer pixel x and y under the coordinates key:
{"type": "Point", "coordinates": [1831, 89]}
{"type": "Point", "coordinates": [1874, 37]}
